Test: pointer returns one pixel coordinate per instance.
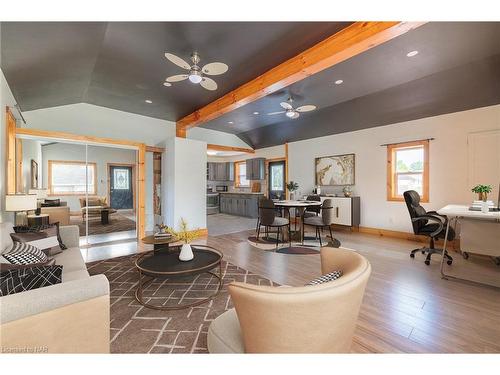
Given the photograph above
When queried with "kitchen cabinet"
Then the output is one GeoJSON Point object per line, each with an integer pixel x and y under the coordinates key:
{"type": "Point", "coordinates": [240, 204]}
{"type": "Point", "coordinates": [256, 168]}
{"type": "Point", "coordinates": [220, 171]}
{"type": "Point", "coordinates": [346, 210]}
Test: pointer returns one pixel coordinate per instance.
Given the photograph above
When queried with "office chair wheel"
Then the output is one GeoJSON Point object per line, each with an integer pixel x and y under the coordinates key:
{"type": "Point", "coordinates": [427, 262]}
{"type": "Point", "coordinates": [449, 262]}
{"type": "Point", "coordinates": [465, 255]}
{"type": "Point", "coordinates": [412, 255]}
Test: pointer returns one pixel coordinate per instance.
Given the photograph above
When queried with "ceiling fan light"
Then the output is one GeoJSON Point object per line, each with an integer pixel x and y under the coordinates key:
{"type": "Point", "coordinates": [195, 77]}
{"type": "Point", "coordinates": [290, 114]}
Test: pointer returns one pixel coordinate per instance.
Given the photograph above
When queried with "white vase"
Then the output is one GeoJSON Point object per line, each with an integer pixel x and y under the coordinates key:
{"type": "Point", "coordinates": [292, 196]}
{"type": "Point", "coordinates": [186, 253]}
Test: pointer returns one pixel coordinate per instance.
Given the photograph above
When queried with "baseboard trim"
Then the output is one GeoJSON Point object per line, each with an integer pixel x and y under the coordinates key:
{"type": "Point", "coordinates": [455, 244]}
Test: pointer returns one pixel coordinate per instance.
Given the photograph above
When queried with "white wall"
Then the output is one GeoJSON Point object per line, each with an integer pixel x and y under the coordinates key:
{"type": "Point", "coordinates": [449, 177]}
{"type": "Point", "coordinates": [96, 154]}
{"type": "Point", "coordinates": [184, 188]}
{"type": "Point", "coordinates": [6, 99]}
{"type": "Point", "coordinates": [216, 137]}
{"type": "Point", "coordinates": [93, 120]}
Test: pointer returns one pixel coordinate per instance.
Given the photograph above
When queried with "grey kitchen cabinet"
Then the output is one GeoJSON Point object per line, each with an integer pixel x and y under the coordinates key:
{"type": "Point", "coordinates": [240, 204]}
{"type": "Point", "coordinates": [256, 168]}
{"type": "Point", "coordinates": [220, 171]}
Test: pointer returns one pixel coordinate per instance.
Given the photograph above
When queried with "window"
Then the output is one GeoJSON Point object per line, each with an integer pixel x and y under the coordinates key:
{"type": "Point", "coordinates": [240, 172]}
{"type": "Point", "coordinates": [408, 169]}
{"type": "Point", "coordinates": [72, 178]}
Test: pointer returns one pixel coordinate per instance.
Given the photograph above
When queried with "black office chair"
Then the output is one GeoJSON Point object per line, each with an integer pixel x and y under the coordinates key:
{"type": "Point", "coordinates": [429, 224]}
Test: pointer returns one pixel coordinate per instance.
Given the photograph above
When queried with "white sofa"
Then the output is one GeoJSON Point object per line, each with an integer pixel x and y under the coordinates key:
{"type": "Point", "coordinates": [71, 317]}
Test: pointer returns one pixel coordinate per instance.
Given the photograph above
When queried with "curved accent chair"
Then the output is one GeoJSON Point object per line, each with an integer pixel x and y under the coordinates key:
{"type": "Point", "coordinates": [307, 319]}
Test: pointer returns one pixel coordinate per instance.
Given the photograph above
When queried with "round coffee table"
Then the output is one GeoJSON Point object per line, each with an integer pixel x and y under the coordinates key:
{"type": "Point", "coordinates": [167, 265]}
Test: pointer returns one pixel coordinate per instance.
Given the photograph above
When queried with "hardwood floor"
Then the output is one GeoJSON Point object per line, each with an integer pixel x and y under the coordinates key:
{"type": "Point", "coordinates": [407, 307]}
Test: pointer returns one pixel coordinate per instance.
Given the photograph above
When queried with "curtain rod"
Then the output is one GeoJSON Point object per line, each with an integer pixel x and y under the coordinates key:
{"type": "Point", "coordinates": [416, 140]}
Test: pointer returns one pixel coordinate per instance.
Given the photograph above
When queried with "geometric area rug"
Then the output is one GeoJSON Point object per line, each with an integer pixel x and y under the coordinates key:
{"type": "Point", "coordinates": [138, 329]}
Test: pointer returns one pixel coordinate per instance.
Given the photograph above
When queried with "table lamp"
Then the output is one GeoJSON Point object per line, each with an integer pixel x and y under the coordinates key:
{"type": "Point", "coordinates": [41, 194]}
{"type": "Point", "coordinates": [20, 202]}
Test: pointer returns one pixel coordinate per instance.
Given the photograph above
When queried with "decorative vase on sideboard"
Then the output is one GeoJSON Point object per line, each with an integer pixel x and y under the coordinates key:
{"type": "Point", "coordinates": [186, 253]}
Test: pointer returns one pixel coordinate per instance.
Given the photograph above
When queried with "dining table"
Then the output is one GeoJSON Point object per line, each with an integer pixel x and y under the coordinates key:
{"type": "Point", "coordinates": [299, 206]}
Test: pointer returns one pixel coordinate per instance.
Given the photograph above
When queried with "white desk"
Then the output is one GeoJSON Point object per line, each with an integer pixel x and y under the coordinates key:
{"type": "Point", "coordinates": [489, 244]}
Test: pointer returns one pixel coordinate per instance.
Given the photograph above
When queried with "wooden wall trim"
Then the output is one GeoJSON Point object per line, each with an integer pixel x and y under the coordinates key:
{"type": "Point", "coordinates": [286, 170]}
{"type": "Point", "coordinates": [141, 206]}
{"type": "Point", "coordinates": [351, 41]}
{"type": "Point", "coordinates": [76, 137]}
{"type": "Point", "coordinates": [211, 146]}
{"type": "Point", "coordinates": [155, 149]}
{"type": "Point", "coordinates": [10, 151]}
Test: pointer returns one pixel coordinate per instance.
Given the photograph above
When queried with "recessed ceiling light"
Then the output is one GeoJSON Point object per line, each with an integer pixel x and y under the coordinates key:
{"type": "Point", "coordinates": [168, 84]}
{"type": "Point", "coordinates": [339, 82]}
{"type": "Point", "coordinates": [230, 122]}
{"type": "Point", "coordinates": [256, 113]}
{"type": "Point", "coordinates": [149, 101]}
{"type": "Point", "coordinates": [412, 53]}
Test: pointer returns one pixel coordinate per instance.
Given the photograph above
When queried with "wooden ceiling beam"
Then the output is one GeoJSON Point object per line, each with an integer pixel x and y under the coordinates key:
{"type": "Point", "coordinates": [351, 41]}
{"type": "Point", "coordinates": [230, 148]}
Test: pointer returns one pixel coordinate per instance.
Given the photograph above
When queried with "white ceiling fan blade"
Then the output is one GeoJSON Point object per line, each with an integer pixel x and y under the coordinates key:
{"type": "Point", "coordinates": [177, 61]}
{"type": "Point", "coordinates": [286, 105]}
{"type": "Point", "coordinates": [215, 68]}
{"type": "Point", "coordinates": [276, 113]}
{"type": "Point", "coordinates": [295, 115]}
{"type": "Point", "coordinates": [208, 83]}
{"type": "Point", "coordinates": [306, 108]}
{"type": "Point", "coordinates": [177, 78]}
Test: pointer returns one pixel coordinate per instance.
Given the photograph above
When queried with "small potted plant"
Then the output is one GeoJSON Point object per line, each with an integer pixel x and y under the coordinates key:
{"type": "Point", "coordinates": [292, 187]}
{"type": "Point", "coordinates": [482, 191]}
{"type": "Point", "coordinates": [187, 236]}
{"type": "Point", "coordinates": [347, 190]}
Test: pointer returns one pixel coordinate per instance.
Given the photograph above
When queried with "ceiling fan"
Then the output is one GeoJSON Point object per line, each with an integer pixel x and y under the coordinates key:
{"type": "Point", "coordinates": [291, 112]}
{"type": "Point", "coordinates": [196, 73]}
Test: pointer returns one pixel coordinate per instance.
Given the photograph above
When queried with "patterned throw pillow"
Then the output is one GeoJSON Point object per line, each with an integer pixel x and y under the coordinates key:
{"type": "Point", "coordinates": [23, 279]}
{"type": "Point", "coordinates": [326, 278]}
{"type": "Point", "coordinates": [23, 253]}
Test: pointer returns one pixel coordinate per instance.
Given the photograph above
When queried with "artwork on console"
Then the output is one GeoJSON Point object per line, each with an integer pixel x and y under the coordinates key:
{"type": "Point", "coordinates": [336, 170]}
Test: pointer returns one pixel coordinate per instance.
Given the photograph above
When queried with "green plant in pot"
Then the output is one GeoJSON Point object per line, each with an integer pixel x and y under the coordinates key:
{"type": "Point", "coordinates": [482, 191]}
{"type": "Point", "coordinates": [187, 236]}
{"type": "Point", "coordinates": [292, 188]}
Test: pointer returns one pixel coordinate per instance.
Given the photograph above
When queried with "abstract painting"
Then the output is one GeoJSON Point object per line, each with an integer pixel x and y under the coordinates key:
{"type": "Point", "coordinates": [336, 170]}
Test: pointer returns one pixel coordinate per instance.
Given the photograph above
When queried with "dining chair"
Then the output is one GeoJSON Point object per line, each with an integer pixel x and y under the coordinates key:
{"type": "Point", "coordinates": [313, 210]}
{"type": "Point", "coordinates": [325, 219]}
{"type": "Point", "coordinates": [268, 219]}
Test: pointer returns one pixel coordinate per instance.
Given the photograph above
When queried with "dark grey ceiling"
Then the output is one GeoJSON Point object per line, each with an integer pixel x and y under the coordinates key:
{"type": "Point", "coordinates": [457, 68]}
{"type": "Point", "coordinates": [120, 64]}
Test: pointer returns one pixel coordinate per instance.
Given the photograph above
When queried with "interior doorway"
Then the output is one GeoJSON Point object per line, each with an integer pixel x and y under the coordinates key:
{"type": "Point", "coordinates": [276, 180]}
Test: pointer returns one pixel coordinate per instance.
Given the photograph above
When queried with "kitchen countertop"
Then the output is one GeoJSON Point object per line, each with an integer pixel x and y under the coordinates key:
{"type": "Point", "coordinates": [240, 193]}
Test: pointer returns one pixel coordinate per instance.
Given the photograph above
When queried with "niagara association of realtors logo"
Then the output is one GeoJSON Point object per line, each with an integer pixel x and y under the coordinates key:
{"type": "Point", "coordinates": [25, 349]}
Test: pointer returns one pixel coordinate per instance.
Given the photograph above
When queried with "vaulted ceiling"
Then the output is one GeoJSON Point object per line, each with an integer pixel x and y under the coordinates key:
{"type": "Point", "coordinates": [119, 65]}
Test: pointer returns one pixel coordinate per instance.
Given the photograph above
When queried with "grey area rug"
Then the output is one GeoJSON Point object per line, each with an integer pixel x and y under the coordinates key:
{"type": "Point", "coordinates": [117, 223]}
{"type": "Point", "coordinates": [138, 329]}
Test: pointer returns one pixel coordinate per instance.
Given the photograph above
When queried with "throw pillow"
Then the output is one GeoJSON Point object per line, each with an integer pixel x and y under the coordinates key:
{"type": "Point", "coordinates": [41, 231]}
{"type": "Point", "coordinates": [326, 278]}
{"type": "Point", "coordinates": [23, 253]}
{"type": "Point", "coordinates": [23, 279]}
{"type": "Point", "coordinates": [10, 266]}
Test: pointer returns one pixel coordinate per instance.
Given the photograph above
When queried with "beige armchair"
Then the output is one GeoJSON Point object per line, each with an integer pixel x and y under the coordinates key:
{"type": "Point", "coordinates": [308, 319]}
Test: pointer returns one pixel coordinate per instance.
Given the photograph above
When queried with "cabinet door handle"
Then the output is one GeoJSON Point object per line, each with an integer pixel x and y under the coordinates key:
{"type": "Point", "coordinates": [337, 211]}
